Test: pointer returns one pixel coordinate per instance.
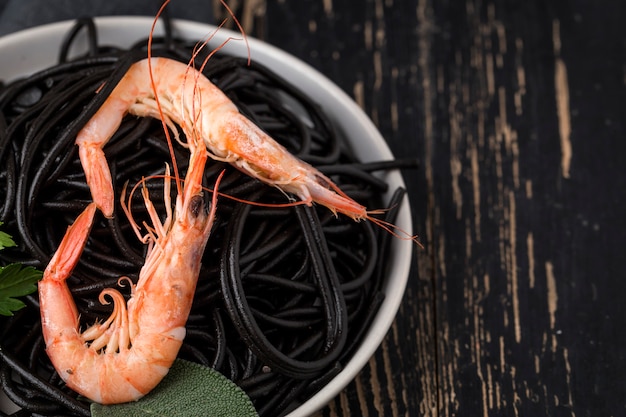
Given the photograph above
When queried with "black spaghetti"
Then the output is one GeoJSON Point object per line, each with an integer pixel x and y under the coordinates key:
{"type": "Point", "coordinates": [284, 295]}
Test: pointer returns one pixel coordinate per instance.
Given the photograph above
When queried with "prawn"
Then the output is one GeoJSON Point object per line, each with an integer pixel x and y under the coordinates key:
{"type": "Point", "coordinates": [185, 96]}
{"type": "Point", "coordinates": [126, 356]}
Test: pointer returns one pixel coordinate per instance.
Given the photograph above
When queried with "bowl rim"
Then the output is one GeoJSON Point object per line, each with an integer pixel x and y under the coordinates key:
{"type": "Point", "coordinates": [350, 118]}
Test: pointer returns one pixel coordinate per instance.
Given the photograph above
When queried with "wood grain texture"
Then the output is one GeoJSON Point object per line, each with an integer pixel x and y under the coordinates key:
{"type": "Point", "coordinates": [515, 306]}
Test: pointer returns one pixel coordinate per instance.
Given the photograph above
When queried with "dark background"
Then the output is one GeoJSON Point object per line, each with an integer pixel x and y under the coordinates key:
{"type": "Point", "coordinates": [516, 110]}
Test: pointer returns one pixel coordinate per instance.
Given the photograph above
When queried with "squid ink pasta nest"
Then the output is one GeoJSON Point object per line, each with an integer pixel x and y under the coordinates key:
{"type": "Point", "coordinates": [285, 294]}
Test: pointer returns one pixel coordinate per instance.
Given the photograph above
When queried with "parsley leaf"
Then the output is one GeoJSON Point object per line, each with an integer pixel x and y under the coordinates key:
{"type": "Point", "coordinates": [15, 281]}
{"type": "Point", "coordinates": [5, 240]}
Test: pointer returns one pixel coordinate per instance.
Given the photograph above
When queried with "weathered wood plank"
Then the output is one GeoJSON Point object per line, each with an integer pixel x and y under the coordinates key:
{"type": "Point", "coordinates": [516, 110]}
{"type": "Point", "coordinates": [518, 302]}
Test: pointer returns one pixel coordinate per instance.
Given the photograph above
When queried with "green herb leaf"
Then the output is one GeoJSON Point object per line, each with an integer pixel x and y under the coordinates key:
{"type": "Point", "coordinates": [16, 281]}
{"type": "Point", "coordinates": [188, 390]}
{"type": "Point", "coordinates": [5, 240]}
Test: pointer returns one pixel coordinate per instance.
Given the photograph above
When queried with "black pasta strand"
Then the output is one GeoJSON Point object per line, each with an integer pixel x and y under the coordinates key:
{"type": "Point", "coordinates": [329, 285]}
{"type": "Point", "coordinates": [25, 190]}
{"type": "Point", "coordinates": [53, 74]}
{"type": "Point", "coordinates": [9, 176]}
{"type": "Point", "coordinates": [284, 396]}
{"type": "Point", "coordinates": [240, 311]}
{"type": "Point", "coordinates": [52, 392]}
{"type": "Point", "coordinates": [220, 335]}
{"type": "Point", "coordinates": [371, 259]}
{"type": "Point", "coordinates": [92, 38]}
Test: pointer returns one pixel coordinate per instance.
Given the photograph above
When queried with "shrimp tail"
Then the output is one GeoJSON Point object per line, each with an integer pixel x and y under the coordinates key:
{"type": "Point", "coordinates": [53, 288]}
{"type": "Point", "coordinates": [71, 247]}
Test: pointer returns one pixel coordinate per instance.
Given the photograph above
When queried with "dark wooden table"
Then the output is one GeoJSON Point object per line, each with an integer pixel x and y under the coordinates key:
{"type": "Point", "coordinates": [517, 109]}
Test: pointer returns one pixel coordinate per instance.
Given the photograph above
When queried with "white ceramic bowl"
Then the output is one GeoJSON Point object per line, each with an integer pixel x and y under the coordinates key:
{"type": "Point", "coordinates": [34, 49]}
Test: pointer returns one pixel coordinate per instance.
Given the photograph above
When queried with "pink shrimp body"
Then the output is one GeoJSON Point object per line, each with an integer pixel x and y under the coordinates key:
{"type": "Point", "coordinates": [125, 357]}
{"type": "Point", "coordinates": [188, 97]}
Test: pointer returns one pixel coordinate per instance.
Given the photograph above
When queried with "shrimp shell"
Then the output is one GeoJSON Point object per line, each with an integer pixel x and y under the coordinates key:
{"type": "Point", "coordinates": [188, 99]}
{"type": "Point", "coordinates": [125, 357]}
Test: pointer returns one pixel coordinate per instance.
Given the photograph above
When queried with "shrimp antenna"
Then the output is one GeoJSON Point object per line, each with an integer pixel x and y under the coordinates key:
{"type": "Point", "coordinates": [200, 46]}
{"type": "Point", "coordinates": [243, 32]}
{"type": "Point", "coordinates": [198, 73]}
{"type": "Point", "coordinates": [392, 229]}
{"type": "Point", "coordinates": [170, 145]}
